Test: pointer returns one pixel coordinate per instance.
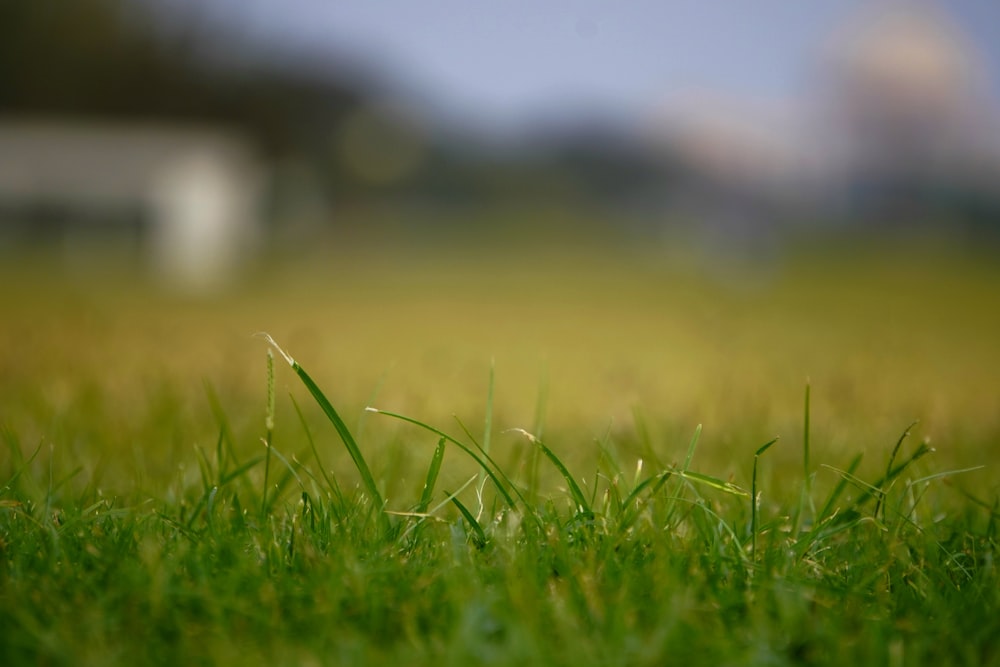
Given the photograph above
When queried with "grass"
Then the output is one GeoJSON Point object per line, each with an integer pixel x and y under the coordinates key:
{"type": "Point", "coordinates": [144, 519]}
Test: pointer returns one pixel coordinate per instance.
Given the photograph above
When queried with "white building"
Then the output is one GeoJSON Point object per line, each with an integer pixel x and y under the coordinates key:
{"type": "Point", "coordinates": [198, 190]}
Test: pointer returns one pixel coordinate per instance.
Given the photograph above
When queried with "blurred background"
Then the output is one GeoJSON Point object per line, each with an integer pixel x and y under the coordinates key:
{"type": "Point", "coordinates": [191, 136]}
{"type": "Point", "coordinates": [686, 206]}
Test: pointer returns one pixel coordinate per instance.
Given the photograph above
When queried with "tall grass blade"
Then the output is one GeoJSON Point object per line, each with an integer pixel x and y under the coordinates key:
{"type": "Point", "coordinates": [21, 463]}
{"type": "Point", "coordinates": [874, 490]}
{"type": "Point", "coordinates": [574, 488]}
{"type": "Point", "coordinates": [496, 469]}
{"type": "Point", "coordinates": [632, 505]}
{"type": "Point", "coordinates": [710, 531]}
{"type": "Point", "coordinates": [921, 451]}
{"type": "Point", "coordinates": [644, 484]}
{"type": "Point", "coordinates": [755, 500]}
{"type": "Point", "coordinates": [331, 482]}
{"type": "Point", "coordinates": [448, 496]}
{"type": "Point", "coordinates": [541, 408]}
{"type": "Point", "coordinates": [478, 535]}
{"type": "Point", "coordinates": [805, 438]}
{"type": "Point", "coordinates": [223, 480]}
{"type": "Point", "coordinates": [268, 427]}
{"type": "Point", "coordinates": [806, 500]}
{"type": "Point", "coordinates": [888, 467]}
{"type": "Point", "coordinates": [832, 520]}
{"type": "Point", "coordinates": [501, 489]}
{"type": "Point", "coordinates": [692, 447]}
{"type": "Point", "coordinates": [220, 416]}
{"type": "Point", "coordinates": [345, 435]}
{"type": "Point", "coordinates": [205, 467]}
{"type": "Point", "coordinates": [487, 437]}
{"type": "Point", "coordinates": [281, 457]}
{"type": "Point", "coordinates": [210, 508]}
{"type": "Point", "coordinates": [238, 472]}
{"type": "Point", "coordinates": [946, 473]}
{"type": "Point", "coordinates": [714, 482]}
{"type": "Point", "coordinates": [432, 475]}
{"type": "Point", "coordinates": [839, 489]}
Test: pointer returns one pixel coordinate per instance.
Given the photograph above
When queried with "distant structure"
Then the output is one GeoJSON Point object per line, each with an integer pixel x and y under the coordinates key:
{"type": "Point", "coordinates": [896, 128]}
{"type": "Point", "coordinates": [193, 195]}
{"type": "Point", "coordinates": [910, 104]}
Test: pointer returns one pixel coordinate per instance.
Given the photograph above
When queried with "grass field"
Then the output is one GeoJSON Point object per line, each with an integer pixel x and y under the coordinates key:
{"type": "Point", "coordinates": [576, 490]}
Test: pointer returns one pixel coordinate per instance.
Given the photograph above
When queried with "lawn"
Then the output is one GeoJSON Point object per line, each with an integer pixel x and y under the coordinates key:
{"type": "Point", "coordinates": [558, 468]}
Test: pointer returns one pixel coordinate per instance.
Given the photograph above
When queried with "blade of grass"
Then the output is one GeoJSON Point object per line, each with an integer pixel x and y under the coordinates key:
{"type": "Point", "coordinates": [873, 490]}
{"type": "Point", "coordinates": [331, 482]}
{"type": "Point", "coordinates": [644, 484]}
{"type": "Point", "coordinates": [22, 464]}
{"type": "Point", "coordinates": [478, 537]}
{"type": "Point", "coordinates": [755, 500]}
{"type": "Point", "coordinates": [856, 481]}
{"type": "Point", "coordinates": [431, 513]}
{"type": "Point", "coordinates": [806, 498]}
{"type": "Point", "coordinates": [574, 488]}
{"type": "Point", "coordinates": [541, 405]}
{"type": "Point", "coordinates": [238, 472]}
{"type": "Point", "coordinates": [286, 478]}
{"type": "Point", "coordinates": [210, 509]}
{"type": "Point", "coordinates": [220, 416]}
{"type": "Point", "coordinates": [205, 467]}
{"type": "Point", "coordinates": [487, 437]}
{"type": "Point", "coordinates": [630, 512]}
{"type": "Point", "coordinates": [268, 428]}
{"type": "Point", "coordinates": [946, 473]}
{"type": "Point", "coordinates": [719, 523]}
{"type": "Point", "coordinates": [461, 445]}
{"type": "Point", "coordinates": [829, 515]}
{"type": "Point", "coordinates": [291, 470]}
{"type": "Point", "coordinates": [224, 480]}
{"type": "Point", "coordinates": [432, 475]}
{"type": "Point", "coordinates": [839, 489]}
{"type": "Point", "coordinates": [713, 482]}
{"type": "Point", "coordinates": [345, 435]}
{"type": "Point", "coordinates": [497, 469]}
{"type": "Point", "coordinates": [805, 436]}
{"type": "Point", "coordinates": [692, 447]}
{"type": "Point", "coordinates": [923, 450]}
{"type": "Point", "coordinates": [448, 496]}
{"type": "Point", "coordinates": [888, 467]}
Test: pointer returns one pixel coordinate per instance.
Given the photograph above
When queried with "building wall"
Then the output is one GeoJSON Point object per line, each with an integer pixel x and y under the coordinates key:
{"type": "Point", "coordinates": [198, 191]}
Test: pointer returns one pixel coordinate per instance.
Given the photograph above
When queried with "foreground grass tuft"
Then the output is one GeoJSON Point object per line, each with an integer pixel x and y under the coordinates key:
{"type": "Point", "coordinates": [275, 559]}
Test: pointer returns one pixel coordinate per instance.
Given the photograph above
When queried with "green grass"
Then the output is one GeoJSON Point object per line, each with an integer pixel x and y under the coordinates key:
{"type": "Point", "coordinates": [145, 518]}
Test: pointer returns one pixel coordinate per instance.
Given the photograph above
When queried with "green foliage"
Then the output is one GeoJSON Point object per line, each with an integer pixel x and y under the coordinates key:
{"type": "Point", "coordinates": [143, 524]}
{"type": "Point", "coordinates": [637, 571]}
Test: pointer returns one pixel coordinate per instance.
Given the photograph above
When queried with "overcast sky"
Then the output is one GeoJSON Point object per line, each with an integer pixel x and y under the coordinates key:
{"type": "Point", "coordinates": [501, 63]}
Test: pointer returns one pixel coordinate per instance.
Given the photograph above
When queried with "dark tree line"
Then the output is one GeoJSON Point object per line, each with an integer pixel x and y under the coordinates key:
{"type": "Point", "coordinates": [106, 58]}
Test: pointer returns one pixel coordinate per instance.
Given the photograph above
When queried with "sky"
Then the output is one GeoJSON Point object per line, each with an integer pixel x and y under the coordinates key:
{"type": "Point", "coordinates": [502, 64]}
